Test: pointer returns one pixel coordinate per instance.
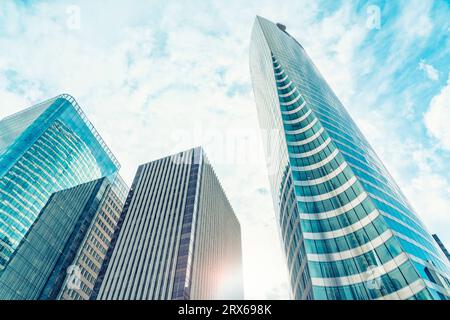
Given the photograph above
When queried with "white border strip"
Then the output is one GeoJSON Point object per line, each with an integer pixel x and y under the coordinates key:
{"type": "Point", "coordinates": [333, 213]}
{"type": "Point", "coordinates": [304, 129]}
{"type": "Point", "coordinates": [287, 104]}
{"type": "Point", "coordinates": [300, 119]}
{"type": "Point", "coordinates": [361, 277]}
{"type": "Point", "coordinates": [300, 107]}
{"type": "Point", "coordinates": [311, 152]}
{"type": "Point", "coordinates": [306, 141]}
{"type": "Point", "coordinates": [323, 179]}
{"type": "Point", "coordinates": [351, 253]}
{"type": "Point", "coordinates": [319, 164]}
{"type": "Point", "coordinates": [344, 231]}
{"type": "Point", "coordinates": [331, 194]}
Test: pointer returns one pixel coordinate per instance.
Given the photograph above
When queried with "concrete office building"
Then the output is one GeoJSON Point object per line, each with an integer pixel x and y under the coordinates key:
{"type": "Point", "coordinates": [178, 237]}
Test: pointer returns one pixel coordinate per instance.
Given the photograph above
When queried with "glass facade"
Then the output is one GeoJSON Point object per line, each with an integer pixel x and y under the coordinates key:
{"type": "Point", "coordinates": [38, 266]}
{"type": "Point", "coordinates": [44, 149]}
{"type": "Point", "coordinates": [76, 281]}
{"type": "Point", "coordinates": [347, 230]}
{"type": "Point", "coordinates": [177, 238]}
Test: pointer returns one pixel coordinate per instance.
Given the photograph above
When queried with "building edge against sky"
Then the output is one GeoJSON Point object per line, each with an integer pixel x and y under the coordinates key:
{"type": "Point", "coordinates": [177, 207]}
{"type": "Point", "coordinates": [347, 230]}
{"type": "Point", "coordinates": [442, 246]}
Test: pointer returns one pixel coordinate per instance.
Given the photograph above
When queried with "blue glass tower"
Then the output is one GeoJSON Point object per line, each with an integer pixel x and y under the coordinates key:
{"type": "Point", "coordinates": [44, 149]}
{"type": "Point", "coordinates": [38, 266]}
{"type": "Point", "coordinates": [347, 229]}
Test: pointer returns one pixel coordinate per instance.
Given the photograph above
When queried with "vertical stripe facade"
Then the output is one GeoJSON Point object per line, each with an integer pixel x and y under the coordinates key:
{"type": "Point", "coordinates": [157, 242]}
{"type": "Point", "coordinates": [217, 260]}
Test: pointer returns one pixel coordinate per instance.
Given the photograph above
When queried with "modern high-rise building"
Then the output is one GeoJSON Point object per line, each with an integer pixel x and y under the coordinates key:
{"type": "Point", "coordinates": [178, 237]}
{"type": "Point", "coordinates": [39, 264]}
{"type": "Point", "coordinates": [347, 229]}
{"type": "Point", "coordinates": [44, 149]}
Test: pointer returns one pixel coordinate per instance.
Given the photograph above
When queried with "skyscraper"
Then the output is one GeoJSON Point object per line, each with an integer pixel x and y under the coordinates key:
{"type": "Point", "coordinates": [44, 149]}
{"type": "Point", "coordinates": [347, 229]}
{"type": "Point", "coordinates": [47, 250]}
{"type": "Point", "coordinates": [178, 237]}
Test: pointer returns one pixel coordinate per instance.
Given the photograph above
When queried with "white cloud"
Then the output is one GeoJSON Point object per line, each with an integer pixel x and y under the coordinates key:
{"type": "Point", "coordinates": [414, 20]}
{"type": "Point", "coordinates": [430, 193]}
{"type": "Point", "coordinates": [431, 72]}
{"type": "Point", "coordinates": [437, 118]}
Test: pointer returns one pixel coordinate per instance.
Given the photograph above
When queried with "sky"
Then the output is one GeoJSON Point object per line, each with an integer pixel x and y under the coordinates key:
{"type": "Point", "coordinates": [158, 77]}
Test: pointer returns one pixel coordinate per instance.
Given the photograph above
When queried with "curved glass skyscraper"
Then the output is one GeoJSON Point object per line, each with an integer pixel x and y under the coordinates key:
{"type": "Point", "coordinates": [44, 149]}
{"type": "Point", "coordinates": [348, 231]}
